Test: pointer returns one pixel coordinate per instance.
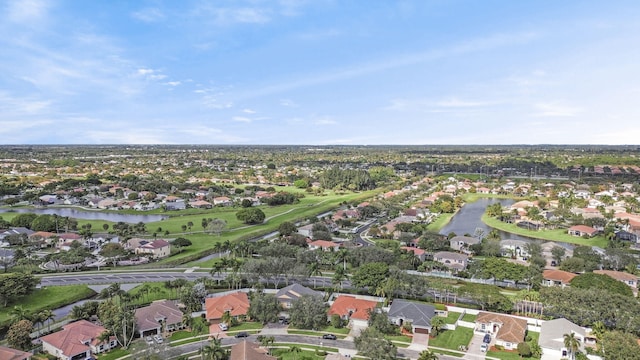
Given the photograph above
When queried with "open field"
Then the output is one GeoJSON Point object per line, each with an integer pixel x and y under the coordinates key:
{"type": "Point", "coordinates": [552, 235]}
{"type": "Point", "coordinates": [48, 298]}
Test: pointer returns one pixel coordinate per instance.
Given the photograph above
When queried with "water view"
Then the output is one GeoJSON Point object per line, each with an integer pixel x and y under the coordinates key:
{"type": "Point", "coordinates": [90, 215]}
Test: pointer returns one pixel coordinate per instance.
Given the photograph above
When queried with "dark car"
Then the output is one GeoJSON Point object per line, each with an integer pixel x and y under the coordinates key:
{"type": "Point", "coordinates": [487, 338]}
{"type": "Point", "coordinates": [329, 336]}
{"type": "Point", "coordinates": [242, 334]}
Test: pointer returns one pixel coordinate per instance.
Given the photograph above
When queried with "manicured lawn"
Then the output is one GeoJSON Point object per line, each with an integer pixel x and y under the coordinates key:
{"type": "Point", "coordinates": [313, 333]}
{"type": "Point", "coordinates": [452, 317]}
{"type": "Point", "coordinates": [452, 339]}
{"type": "Point", "coordinates": [151, 292]}
{"type": "Point", "coordinates": [51, 297]}
{"type": "Point", "coordinates": [440, 222]}
{"type": "Point", "coordinates": [287, 354]}
{"type": "Point", "coordinates": [469, 317]}
{"type": "Point", "coordinates": [179, 335]}
{"type": "Point", "coordinates": [328, 329]}
{"type": "Point", "coordinates": [552, 235]}
{"type": "Point", "coordinates": [113, 354]}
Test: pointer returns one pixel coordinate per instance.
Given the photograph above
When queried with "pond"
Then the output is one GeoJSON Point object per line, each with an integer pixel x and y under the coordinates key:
{"type": "Point", "coordinates": [90, 215]}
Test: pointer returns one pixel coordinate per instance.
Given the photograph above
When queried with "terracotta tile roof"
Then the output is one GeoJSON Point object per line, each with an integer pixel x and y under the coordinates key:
{"type": "Point", "coordinates": [414, 250]}
{"type": "Point", "coordinates": [558, 275]}
{"type": "Point", "coordinates": [236, 304]}
{"type": "Point", "coordinates": [323, 244]}
{"type": "Point", "coordinates": [583, 229]}
{"type": "Point", "coordinates": [13, 354]}
{"type": "Point", "coordinates": [247, 350]}
{"type": "Point", "coordinates": [511, 329]}
{"type": "Point", "coordinates": [618, 275]}
{"type": "Point", "coordinates": [75, 337]}
{"type": "Point", "coordinates": [352, 307]}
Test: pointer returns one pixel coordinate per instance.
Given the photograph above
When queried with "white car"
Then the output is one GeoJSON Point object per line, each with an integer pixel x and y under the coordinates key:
{"type": "Point", "coordinates": [223, 326]}
{"type": "Point", "coordinates": [483, 347]}
{"type": "Point", "coordinates": [158, 339]}
{"type": "Point", "coordinates": [149, 340]}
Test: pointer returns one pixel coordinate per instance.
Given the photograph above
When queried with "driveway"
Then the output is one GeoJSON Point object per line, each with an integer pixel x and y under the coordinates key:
{"type": "Point", "coordinates": [474, 352]}
{"type": "Point", "coordinates": [419, 342]}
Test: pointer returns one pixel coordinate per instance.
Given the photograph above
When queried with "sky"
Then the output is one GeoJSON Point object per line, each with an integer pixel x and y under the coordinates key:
{"type": "Point", "coordinates": [319, 72]}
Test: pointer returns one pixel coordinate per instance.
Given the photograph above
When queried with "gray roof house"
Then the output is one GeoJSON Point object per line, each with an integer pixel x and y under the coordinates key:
{"type": "Point", "coordinates": [288, 295]}
{"type": "Point", "coordinates": [451, 260]}
{"type": "Point", "coordinates": [552, 338]}
{"type": "Point", "coordinates": [463, 243]}
{"type": "Point", "coordinates": [419, 315]}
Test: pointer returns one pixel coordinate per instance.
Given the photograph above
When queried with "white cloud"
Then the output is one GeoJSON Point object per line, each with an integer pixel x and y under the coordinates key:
{"type": "Point", "coordinates": [22, 106]}
{"type": "Point", "coordinates": [213, 102]}
{"type": "Point", "coordinates": [248, 111]}
{"type": "Point", "coordinates": [173, 83]}
{"type": "Point", "coordinates": [149, 15]}
{"type": "Point", "coordinates": [242, 119]}
{"type": "Point", "coordinates": [325, 121]}
{"type": "Point", "coordinates": [288, 103]}
{"type": "Point", "coordinates": [228, 16]}
{"type": "Point", "coordinates": [556, 110]}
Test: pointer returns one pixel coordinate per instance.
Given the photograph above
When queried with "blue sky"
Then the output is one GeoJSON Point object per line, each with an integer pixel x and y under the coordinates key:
{"type": "Point", "coordinates": [319, 72]}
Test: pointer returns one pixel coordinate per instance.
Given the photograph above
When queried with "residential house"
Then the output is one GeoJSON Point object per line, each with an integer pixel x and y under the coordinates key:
{"type": "Point", "coordinates": [507, 330]}
{"type": "Point", "coordinates": [629, 279]}
{"type": "Point", "coordinates": [222, 201]}
{"type": "Point", "coordinates": [463, 243]}
{"type": "Point", "coordinates": [159, 316]}
{"type": "Point", "coordinates": [200, 204]}
{"type": "Point", "coordinates": [288, 295]}
{"type": "Point", "coordinates": [158, 249]}
{"type": "Point", "coordinates": [551, 338]}
{"type": "Point", "coordinates": [419, 315]}
{"type": "Point", "coordinates": [247, 350]}
{"type": "Point", "coordinates": [306, 230]}
{"type": "Point", "coordinates": [516, 249]}
{"type": "Point", "coordinates": [13, 354]}
{"type": "Point", "coordinates": [420, 253]}
{"type": "Point", "coordinates": [6, 256]}
{"type": "Point", "coordinates": [454, 261]}
{"type": "Point", "coordinates": [77, 341]}
{"type": "Point", "coordinates": [16, 231]}
{"type": "Point", "coordinates": [352, 309]}
{"type": "Point", "coordinates": [582, 230]}
{"type": "Point", "coordinates": [324, 245]}
{"type": "Point", "coordinates": [236, 304]}
{"type": "Point", "coordinates": [551, 277]}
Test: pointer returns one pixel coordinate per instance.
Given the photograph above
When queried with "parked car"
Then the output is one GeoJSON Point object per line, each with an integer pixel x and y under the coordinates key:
{"type": "Point", "coordinates": [149, 340]}
{"type": "Point", "coordinates": [223, 326]}
{"type": "Point", "coordinates": [158, 339]}
{"type": "Point", "coordinates": [329, 337]}
{"type": "Point", "coordinates": [484, 347]}
{"type": "Point", "coordinates": [487, 338]}
{"type": "Point", "coordinates": [242, 334]}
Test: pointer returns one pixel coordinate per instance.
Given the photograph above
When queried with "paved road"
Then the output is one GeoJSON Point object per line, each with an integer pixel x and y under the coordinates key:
{"type": "Point", "coordinates": [173, 352]}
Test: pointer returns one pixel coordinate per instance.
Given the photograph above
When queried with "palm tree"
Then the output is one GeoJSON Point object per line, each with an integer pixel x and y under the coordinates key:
{"type": "Point", "coordinates": [20, 313]}
{"type": "Point", "coordinates": [572, 344]}
{"type": "Point", "coordinates": [47, 316]}
{"type": "Point", "coordinates": [437, 324]}
{"type": "Point", "coordinates": [295, 350]}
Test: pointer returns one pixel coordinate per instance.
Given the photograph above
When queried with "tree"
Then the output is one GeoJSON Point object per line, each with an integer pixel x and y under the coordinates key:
{"type": "Point", "coordinates": [524, 349]}
{"type": "Point", "coordinates": [47, 316]}
{"type": "Point", "coordinates": [437, 324]}
{"type": "Point", "coordinates": [370, 275]}
{"type": "Point", "coordinates": [620, 345]}
{"type": "Point", "coordinates": [287, 228]}
{"type": "Point", "coordinates": [602, 282]}
{"type": "Point", "coordinates": [118, 318]}
{"type": "Point", "coordinates": [264, 307]}
{"type": "Point", "coordinates": [216, 226]}
{"type": "Point", "coordinates": [19, 335]}
{"type": "Point", "coordinates": [380, 322]}
{"type": "Point", "coordinates": [572, 344]}
{"type": "Point", "coordinates": [182, 242]}
{"type": "Point", "coordinates": [251, 216]}
{"type": "Point", "coordinates": [558, 252]}
{"type": "Point", "coordinates": [372, 343]}
{"type": "Point", "coordinates": [427, 355]}
{"type": "Point", "coordinates": [16, 285]}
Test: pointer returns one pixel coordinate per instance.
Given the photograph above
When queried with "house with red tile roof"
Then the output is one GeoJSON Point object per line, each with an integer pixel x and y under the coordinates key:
{"type": "Point", "coordinates": [158, 249]}
{"type": "Point", "coordinates": [551, 277]}
{"type": "Point", "coordinates": [350, 308]}
{"type": "Point", "coordinates": [582, 230]}
{"type": "Point", "coordinates": [508, 331]}
{"type": "Point", "coordinates": [13, 354]}
{"type": "Point", "coordinates": [420, 253]}
{"type": "Point", "coordinates": [200, 204]}
{"type": "Point", "coordinates": [236, 304]}
{"type": "Point", "coordinates": [247, 350]}
{"type": "Point", "coordinates": [77, 340]}
{"type": "Point", "coordinates": [323, 245]}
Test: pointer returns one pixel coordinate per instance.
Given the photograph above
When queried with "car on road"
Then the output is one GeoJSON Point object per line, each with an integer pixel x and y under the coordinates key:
{"type": "Point", "coordinates": [158, 339]}
{"type": "Point", "coordinates": [487, 338]}
{"type": "Point", "coordinates": [149, 340]}
{"type": "Point", "coordinates": [484, 347]}
{"type": "Point", "coordinates": [242, 334]}
{"type": "Point", "coordinates": [329, 337]}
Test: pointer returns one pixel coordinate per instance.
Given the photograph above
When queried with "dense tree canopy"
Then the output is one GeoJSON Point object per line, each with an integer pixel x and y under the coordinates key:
{"type": "Point", "coordinates": [251, 216]}
{"type": "Point", "coordinates": [600, 281]}
{"type": "Point", "coordinates": [308, 312]}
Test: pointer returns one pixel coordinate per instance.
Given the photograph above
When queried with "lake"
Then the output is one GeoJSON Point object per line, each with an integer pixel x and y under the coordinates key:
{"type": "Point", "coordinates": [468, 219]}
{"type": "Point", "coordinates": [89, 215]}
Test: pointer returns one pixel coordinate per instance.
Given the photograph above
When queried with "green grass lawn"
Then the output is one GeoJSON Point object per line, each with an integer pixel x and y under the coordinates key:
{"type": "Point", "coordinates": [452, 317]}
{"type": "Point", "coordinates": [327, 329]}
{"type": "Point", "coordinates": [247, 325]}
{"type": "Point", "coordinates": [51, 297]}
{"type": "Point", "coordinates": [113, 354]}
{"type": "Point", "coordinates": [469, 317]}
{"type": "Point", "coordinates": [287, 354]}
{"type": "Point", "coordinates": [440, 222]}
{"type": "Point", "coordinates": [552, 235]}
{"type": "Point", "coordinates": [513, 355]}
{"type": "Point", "coordinates": [155, 291]}
{"type": "Point", "coordinates": [452, 339]}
